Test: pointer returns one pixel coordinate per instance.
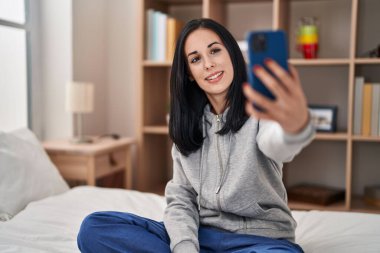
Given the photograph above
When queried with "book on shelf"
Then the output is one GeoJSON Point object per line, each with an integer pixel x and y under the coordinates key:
{"type": "Point", "coordinates": [161, 35]}
{"type": "Point", "coordinates": [366, 110]}
{"type": "Point", "coordinates": [149, 33]}
{"type": "Point", "coordinates": [375, 109]}
{"type": "Point", "coordinates": [174, 27]}
{"type": "Point", "coordinates": [358, 105]}
{"type": "Point", "coordinates": [315, 194]}
{"type": "Point", "coordinates": [162, 32]}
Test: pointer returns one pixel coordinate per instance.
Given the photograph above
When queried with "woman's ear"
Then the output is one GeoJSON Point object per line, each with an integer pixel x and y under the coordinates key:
{"type": "Point", "coordinates": [191, 78]}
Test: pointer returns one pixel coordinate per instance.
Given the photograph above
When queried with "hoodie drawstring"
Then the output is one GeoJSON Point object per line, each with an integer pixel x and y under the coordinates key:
{"type": "Point", "coordinates": [201, 165]}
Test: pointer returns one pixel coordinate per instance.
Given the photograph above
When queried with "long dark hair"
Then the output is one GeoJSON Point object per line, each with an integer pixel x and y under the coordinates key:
{"type": "Point", "coordinates": [187, 99]}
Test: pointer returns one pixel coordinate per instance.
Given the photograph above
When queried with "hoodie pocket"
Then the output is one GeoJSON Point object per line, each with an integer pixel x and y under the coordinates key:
{"type": "Point", "coordinates": [269, 217]}
{"type": "Point", "coordinates": [248, 210]}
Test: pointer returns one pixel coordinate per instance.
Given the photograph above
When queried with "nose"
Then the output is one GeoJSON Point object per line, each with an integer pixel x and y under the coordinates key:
{"type": "Point", "coordinates": [208, 64]}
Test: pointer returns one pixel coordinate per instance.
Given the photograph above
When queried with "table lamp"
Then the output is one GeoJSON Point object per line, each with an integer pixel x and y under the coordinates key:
{"type": "Point", "coordinates": [80, 100]}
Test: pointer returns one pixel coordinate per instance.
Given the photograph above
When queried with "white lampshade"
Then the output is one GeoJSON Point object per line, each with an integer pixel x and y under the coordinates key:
{"type": "Point", "coordinates": [79, 97]}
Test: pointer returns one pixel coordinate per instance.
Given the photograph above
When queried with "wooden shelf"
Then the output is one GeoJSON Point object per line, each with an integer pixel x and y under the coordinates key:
{"type": "Point", "coordinates": [326, 80]}
{"type": "Point", "coordinates": [366, 138]}
{"type": "Point", "coordinates": [359, 205]}
{"type": "Point", "coordinates": [180, 2]}
{"type": "Point", "coordinates": [367, 61]}
{"type": "Point", "coordinates": [332, 136]}
{"type": "Point", "coordinates": [319, 62]}
{"type": "Point", "coordinates": [295, 205]}
{"type": "Point", "coordinates": [156, 130]}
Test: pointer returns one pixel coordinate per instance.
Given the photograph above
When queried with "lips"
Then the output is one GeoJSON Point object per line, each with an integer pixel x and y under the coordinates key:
{"type": "Point", "coordinates": [214, 77]}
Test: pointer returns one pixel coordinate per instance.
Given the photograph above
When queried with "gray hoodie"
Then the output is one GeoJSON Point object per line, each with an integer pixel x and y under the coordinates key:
{"type": "Point", "coordinates": [233, 182]}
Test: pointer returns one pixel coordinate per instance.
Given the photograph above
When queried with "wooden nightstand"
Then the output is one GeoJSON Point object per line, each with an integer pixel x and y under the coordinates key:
{"type": "Point", "coordinates": [89, 162]}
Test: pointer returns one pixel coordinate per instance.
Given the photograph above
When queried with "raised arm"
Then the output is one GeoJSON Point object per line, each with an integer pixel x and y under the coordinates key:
{"type": "Point", "coordinates": [285, 126]}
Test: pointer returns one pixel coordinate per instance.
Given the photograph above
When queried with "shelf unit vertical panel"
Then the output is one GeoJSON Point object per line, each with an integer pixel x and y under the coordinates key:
{"type": "Point", "coordinates": [350, 106]}
{"type": "Point", "coordinates": [214, 9]}
{"type": "Point", "coordinates": [354, 27]}
{"type": "Point", "coordinates": [348, 173]}
{"type": "Point", "coordinates": [138, 182]}
{"type": "Point", "coordinates": [280, 14]}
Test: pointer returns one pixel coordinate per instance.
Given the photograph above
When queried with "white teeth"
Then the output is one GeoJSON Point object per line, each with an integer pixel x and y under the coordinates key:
{"type": "Point", "coordinates": [214, 76]}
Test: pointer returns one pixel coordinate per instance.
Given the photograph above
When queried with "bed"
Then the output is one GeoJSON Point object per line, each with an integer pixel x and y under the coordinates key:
{"type": "Point", "coordinates": [51, 224]}
{"type": "Point", "coordinates": [41, 214]}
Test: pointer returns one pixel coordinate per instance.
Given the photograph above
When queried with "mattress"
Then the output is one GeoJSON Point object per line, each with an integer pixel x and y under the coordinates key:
{"type": "Point", "coordinates": [52, 224]}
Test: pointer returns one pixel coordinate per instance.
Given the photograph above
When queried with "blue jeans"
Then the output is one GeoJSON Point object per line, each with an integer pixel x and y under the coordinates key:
{"type": "Point", "coordinates": [125, 232]}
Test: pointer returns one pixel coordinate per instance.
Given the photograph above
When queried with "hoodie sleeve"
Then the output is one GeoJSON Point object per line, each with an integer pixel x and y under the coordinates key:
{"type": "Point", "coordinates": [280, 146]}
{"type": "Point", "coordinates": [181, 216]}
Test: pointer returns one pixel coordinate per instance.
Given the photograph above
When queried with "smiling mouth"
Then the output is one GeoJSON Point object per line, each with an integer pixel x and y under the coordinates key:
{"type": "Point", "coordinates": [214, 76]}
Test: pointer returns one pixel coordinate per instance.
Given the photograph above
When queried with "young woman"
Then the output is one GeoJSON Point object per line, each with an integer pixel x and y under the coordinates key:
{"type": "Point", "coordinates": [227, 193]}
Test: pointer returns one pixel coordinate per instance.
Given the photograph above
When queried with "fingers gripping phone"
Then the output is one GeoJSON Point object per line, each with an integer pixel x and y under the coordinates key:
{"type": "Point", "coordinates": [263, 45]}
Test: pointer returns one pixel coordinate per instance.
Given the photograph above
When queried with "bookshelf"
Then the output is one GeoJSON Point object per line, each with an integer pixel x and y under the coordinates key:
{"type": "Point", "coordinates": [347, 29]}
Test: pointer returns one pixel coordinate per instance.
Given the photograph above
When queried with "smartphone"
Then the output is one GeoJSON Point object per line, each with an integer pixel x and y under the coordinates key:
{"type": "Point", "coordinates": [263, 45]}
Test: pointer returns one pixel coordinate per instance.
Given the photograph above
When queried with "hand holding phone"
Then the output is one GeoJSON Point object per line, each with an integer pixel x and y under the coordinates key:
{"type": "Point", "coordinates": [264, 45]}
{"type": "Point", "coordinates": [274, 91]}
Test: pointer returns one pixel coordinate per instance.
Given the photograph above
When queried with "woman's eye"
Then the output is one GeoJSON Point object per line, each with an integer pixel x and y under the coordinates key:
{"type": "Point", "coordinates": [194, 60]}
{"type": "Point", "coordinates": [215, 50]}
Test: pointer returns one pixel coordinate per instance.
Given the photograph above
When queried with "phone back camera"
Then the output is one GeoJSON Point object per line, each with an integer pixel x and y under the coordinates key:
{"type": "Point", "coordinates": [259, 42]}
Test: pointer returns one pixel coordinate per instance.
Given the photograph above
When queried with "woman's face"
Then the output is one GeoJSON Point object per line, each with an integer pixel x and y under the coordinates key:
{"type": "Point", "coordinates": [209, 62]}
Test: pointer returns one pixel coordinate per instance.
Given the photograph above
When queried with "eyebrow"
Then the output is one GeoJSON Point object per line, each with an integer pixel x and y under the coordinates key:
{"type": "Point", "coordinates": [210, 45]}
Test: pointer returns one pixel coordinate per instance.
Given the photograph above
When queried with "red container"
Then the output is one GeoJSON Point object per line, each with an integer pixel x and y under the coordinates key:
{"type": "Point", "coordinates": [310, 51]}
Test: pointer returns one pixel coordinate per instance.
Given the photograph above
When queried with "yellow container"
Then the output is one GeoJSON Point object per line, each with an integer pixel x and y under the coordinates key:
{"type": "Point", "coordinates": [307, 39]}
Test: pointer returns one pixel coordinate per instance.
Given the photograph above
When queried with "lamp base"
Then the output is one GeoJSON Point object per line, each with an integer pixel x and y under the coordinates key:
{"type": "Point", "coordinates": [81, 139]}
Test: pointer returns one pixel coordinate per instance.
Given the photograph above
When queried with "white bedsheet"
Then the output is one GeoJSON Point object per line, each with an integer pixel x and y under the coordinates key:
{"type": "Point", "coordinates": [52, 224]}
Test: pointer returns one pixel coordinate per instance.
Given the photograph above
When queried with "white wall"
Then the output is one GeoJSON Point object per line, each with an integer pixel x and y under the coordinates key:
{"type": "Point", "coordinates": [104, 42]}
{"type": "Point", "coordinates": [89, 58]}
{"type": "Point", "coordinates": [84, 40]}
{"type": "Point", "coordinates": [122, 66]}
{"type": "Point", "coordinates": [56, 66]}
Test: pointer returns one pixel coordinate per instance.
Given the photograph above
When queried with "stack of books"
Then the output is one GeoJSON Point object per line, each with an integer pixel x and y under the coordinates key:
{"type": "Point", "coordinates": [162, 32]}
{"type": "Point", "coordinates": [366, 108]}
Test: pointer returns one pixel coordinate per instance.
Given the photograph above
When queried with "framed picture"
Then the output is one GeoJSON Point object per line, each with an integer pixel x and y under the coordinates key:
{"type": "Point", "coordinates": [324, 117]}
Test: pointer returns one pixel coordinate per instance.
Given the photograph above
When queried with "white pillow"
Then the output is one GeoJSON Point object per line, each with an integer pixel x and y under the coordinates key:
{"type": "Point", "coordinates": [26, 173]}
